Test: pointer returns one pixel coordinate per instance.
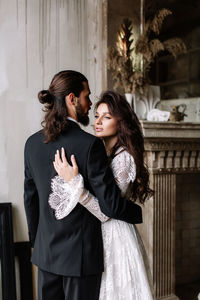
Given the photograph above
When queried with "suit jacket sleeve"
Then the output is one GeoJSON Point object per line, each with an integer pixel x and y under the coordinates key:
{"type": "Point", "coordinates": [31, 200]}
{"type": "Point", "coordinates": [105, 188]}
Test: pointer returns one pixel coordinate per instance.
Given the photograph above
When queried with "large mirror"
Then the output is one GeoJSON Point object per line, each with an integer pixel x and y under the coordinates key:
{"type": "Point", "coordinates": [178, 78]}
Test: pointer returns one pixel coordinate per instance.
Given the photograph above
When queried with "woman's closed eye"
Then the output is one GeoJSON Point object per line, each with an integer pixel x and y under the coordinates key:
{"type": "Point", "coordinates": [105, 117]}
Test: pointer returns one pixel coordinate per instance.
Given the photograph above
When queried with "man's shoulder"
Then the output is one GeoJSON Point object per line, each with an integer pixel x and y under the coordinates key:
{"type": "Point", "coordinates": [91, 140]}
{"type": "Point", "coordinates": [34, 137]}
{"type": "Point", "coordinates": [79, 134]}
{"type": "Point", "coordinates": [88, 136]}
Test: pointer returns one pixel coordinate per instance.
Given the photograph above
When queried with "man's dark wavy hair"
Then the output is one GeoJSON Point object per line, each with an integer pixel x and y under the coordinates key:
{"type": "Point", "coordinates": [55, 118]}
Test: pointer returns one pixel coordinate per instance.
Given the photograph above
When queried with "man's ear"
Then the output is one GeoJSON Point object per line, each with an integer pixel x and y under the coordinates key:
{"type": "Point", "coordinates": [70, 99]}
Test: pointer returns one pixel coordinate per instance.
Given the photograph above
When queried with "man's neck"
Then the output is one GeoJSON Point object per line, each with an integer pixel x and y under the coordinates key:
{"type": "Point", "coordinates": [72, 114]}
{"type": "Point", "coordinates": [72, 119]}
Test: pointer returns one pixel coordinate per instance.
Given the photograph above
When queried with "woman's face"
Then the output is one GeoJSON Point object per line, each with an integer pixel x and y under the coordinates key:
{"type": "Point", "coordinates": [105, 124]}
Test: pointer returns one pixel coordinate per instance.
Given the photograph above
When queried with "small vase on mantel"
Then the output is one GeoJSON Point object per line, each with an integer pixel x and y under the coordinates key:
{"type": "Point", "coordinates": [129, 98]}
{"type": "Point", "coordinates": [143, 103]}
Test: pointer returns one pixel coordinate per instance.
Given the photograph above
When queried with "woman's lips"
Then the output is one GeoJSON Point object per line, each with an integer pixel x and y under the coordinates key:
{"type": "Point", "coordinates": [99, 129]}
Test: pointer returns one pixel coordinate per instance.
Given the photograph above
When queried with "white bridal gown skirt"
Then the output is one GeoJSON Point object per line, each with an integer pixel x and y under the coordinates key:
{"type": "Point", "coordinates": [125, 274]}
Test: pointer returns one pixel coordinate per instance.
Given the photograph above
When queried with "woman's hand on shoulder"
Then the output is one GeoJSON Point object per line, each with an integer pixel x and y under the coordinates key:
{"type": "Point", "coordinates": [63, 168]}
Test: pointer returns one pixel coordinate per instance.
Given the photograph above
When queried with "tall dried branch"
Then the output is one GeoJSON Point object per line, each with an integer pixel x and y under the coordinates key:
{"type": "Point", "coordinates": [124, 40]}
{"type": "Point", "coordinates": [120, 60]}
{"type": "Point", "coordinates": [121, 68]}
{"type": "Point", "coordinates": [156, 46]}
{"type": "Point", "coordinates": [157, 21]}
{"type": "Point", "coordinates": [142, 47]}
{"type": "Point", "coordinates": [175, 46]}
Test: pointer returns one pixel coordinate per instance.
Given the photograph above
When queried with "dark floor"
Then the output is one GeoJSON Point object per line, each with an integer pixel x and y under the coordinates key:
{"type": "Point", "coordinates": [189, 291]}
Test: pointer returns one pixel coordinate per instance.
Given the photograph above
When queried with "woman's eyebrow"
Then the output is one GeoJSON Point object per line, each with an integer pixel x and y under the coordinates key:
{"type": "Point", "coordinates": [104, 113]}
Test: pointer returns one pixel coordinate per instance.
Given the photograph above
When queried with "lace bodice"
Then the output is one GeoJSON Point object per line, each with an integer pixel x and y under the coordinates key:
{"type": "Point", "coordinates": [66, 195]}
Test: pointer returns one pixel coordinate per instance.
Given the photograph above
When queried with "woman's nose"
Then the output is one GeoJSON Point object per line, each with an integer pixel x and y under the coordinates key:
{"type": "Point", "coordinates": [99, 121]}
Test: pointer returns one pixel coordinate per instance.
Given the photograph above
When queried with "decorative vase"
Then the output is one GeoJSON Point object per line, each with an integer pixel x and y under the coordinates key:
{"type": "Point", "coordinates": [143, 103]}
{"type": "Point", "coordinates": [129, 98]}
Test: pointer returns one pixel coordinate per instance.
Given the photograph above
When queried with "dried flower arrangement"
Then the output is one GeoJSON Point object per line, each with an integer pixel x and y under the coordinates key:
{"type": "Point", "coordinates": [125, 70]}
{"type": "Point", "coordinates": [130, 61]}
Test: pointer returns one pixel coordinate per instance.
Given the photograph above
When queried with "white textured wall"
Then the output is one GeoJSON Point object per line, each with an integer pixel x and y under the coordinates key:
{"type": "Point", "coordinates": [38, 39]}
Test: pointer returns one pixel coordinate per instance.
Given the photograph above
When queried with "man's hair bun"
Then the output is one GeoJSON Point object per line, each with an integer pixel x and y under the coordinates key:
{"type": "Point", "coordinates": [44, 96]}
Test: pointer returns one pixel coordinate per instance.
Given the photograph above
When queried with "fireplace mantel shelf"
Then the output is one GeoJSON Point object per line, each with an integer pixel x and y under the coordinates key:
{"type": "Point", "coordinates": [172, 130]}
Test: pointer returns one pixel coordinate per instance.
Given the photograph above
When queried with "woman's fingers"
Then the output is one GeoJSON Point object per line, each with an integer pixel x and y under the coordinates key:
{"type": "Point", "coordinates": [73, 160]}
{"type": "Point", "coordinates": [57, 162]}
{"type": "Point", "coordinates": [61, 164]}
{"type": "Point", "coordinates": [57, 157]}
{"type": "Point", "coordinates": [58, 166]}
{"type": "Point", "coordinates": [63, 168]}
{"type": "Point", "coordinates": [63, 156]}
{"type": "Point", "coordinates": [55, 166]}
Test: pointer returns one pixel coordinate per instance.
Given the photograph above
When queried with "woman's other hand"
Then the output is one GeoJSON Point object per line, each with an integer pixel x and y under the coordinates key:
{"type": "Point", "coordinates": [63, 168]}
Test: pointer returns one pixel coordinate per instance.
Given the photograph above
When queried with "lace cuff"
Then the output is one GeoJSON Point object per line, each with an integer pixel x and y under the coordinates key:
{"type": "Point", "coordinates": [66, 195]}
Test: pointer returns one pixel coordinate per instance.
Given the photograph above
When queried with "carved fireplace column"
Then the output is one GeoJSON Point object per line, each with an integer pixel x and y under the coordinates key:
{"type": "Point", "coordinates": [171, 148]}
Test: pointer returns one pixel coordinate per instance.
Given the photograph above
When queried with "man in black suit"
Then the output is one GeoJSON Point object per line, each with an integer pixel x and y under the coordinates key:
{"type": "Point", "coordinates": [69, 252]}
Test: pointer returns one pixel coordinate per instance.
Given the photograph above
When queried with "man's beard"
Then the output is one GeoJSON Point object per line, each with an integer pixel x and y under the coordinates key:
{"type": "Point", "coordinates": [82, 117]}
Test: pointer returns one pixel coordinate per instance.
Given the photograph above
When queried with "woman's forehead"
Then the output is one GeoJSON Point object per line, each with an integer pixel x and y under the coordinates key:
{"type": "Point", "coordinates": [103, 108]}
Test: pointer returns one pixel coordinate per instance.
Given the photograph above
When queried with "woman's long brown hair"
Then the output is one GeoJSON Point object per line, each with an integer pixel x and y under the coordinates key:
{"type": "Point", "coordinates": [55, 118]}
{"type": "Point", "coordinates": [130, 138]}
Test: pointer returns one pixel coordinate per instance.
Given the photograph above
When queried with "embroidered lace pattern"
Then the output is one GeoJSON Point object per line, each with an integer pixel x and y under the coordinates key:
{"type": "Point", "coordinates": [124, 169]}
{"type": "Point", "coordinates": [62, 193]}
{"type": "Point", "coordinates": [66, 195]}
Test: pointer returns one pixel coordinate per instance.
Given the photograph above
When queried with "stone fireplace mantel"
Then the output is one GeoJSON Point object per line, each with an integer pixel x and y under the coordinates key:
{"type": "Point", "coordinates": [171, 148]}
{"type": "Point", "coordinates": [170, 129]}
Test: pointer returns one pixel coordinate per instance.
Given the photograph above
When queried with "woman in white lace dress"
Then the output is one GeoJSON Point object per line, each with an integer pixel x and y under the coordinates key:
{"type": "Point", "coordinates": [126, 276]}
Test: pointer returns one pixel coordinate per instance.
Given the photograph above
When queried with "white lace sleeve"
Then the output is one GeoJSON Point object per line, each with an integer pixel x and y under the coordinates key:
{"type": "Point", "coordinates": [61, 198]}
{"type": "Point", "coordinates": [124, 169]}
{"type": "Point", "coordinates": [66, 195]}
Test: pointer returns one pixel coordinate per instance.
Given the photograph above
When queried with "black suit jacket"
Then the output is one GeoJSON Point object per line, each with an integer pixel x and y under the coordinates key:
{"type": "Point", "coordinates": [71, 246]}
